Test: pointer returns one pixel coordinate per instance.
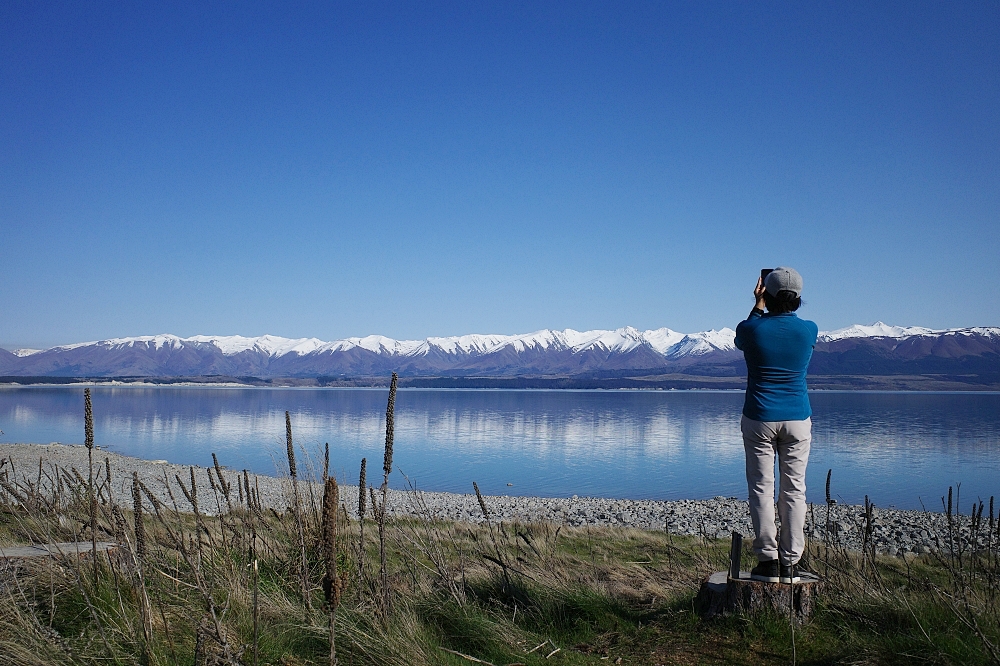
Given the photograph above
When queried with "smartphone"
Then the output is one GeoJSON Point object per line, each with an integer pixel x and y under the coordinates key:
{"type": "Point", "coordinates": [764, 272]}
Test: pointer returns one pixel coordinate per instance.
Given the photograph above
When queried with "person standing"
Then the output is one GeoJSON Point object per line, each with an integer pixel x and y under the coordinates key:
{"type": "Point", "coordinates": [777, 346]}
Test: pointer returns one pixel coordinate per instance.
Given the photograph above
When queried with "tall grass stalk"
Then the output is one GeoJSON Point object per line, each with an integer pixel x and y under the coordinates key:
{"type": "Point", "coordinates": [390, 427]}
{"type": "Point", "coordinates": [362, 506]}
{"type": "Point", "coordinates": [255, 573]}
{"type": "Point", "coordinates": [379, 509]}
{"type": "Point", "coordinates": [138, 551]}
{"type": "Point", "coordinates": [297, 510]}
{"type": "Point", "coordinates": [326, 460]}
{"type": "Point", "coordinates": [225, 486]}
{"type": "Point", "coordinates": [501, 548]}
{"type": "Point", "coordinates": [334, 583]}
{"type": "Point", "coordinates": [140, 529]}
{"type": "Point", "coordinates": [826, 532]}
{"type": "Point", "coordinates": [88, 438]}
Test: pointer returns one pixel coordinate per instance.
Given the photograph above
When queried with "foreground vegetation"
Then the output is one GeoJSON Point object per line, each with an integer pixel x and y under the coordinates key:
{"type": "Point", "coordinates": [253, 586]}
{"type": "Point", "coordinates": [595, 594]}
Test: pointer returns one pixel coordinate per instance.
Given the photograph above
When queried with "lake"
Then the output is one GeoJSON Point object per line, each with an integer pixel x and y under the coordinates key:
{"type": "Point", "coordinates": [898, 448]}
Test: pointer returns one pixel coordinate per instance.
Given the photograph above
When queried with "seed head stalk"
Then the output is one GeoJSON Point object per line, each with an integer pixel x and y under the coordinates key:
{"type": "Point", "coordinates": [145, 608]}
{"type": "Point", "coordinates": [482, 502]}
{"type": "Point", "coordinates": [326, 460]}
{"type": "Point", "coordinates": [390, 422]}
{"type": "Point", "coordinates": [225, 486]}
{"type": "Point", "coordinates": [140, 530]}
{"type": "Point", "coordinates": [297, 510]}
{"type": "Point", "coordinates": [826, 532]}
{"type": "Point", "coordinates": [362, 507]}
{"type": "Point", "coordinates": [362, 497]}
{"type": "Point", "coordinates": [334, 584]}
{"type": "Point", "coordinates": [380, 509]}
{"type": "Point", "coordinates": [88, 438]}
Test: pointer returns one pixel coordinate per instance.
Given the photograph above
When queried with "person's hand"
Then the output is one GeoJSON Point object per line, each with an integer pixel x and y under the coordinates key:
{"type": "Point", "coordinates": [758, 294]}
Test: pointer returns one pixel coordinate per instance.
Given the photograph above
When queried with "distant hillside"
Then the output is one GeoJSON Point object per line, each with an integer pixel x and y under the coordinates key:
{"type": "Point", "coordinates": [623, 358]}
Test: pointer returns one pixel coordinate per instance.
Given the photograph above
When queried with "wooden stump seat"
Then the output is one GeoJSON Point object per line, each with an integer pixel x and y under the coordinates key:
{"type": "Point", "coordinates": [722, 594]}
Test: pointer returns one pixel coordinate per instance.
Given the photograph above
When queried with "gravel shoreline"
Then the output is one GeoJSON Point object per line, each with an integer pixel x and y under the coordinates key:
{"type": "Point", "coordinates": [895, 531]}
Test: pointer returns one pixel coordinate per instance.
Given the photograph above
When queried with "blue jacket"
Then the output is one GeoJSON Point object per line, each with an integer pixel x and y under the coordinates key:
{"type": "Point", "coordinates": [777, 348]}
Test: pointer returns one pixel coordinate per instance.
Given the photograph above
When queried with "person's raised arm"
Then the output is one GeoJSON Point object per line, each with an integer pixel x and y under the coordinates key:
{"type": "Point", "coordinates": [758, 294]}
{"type": "Point", "coordinates": [758, 310]}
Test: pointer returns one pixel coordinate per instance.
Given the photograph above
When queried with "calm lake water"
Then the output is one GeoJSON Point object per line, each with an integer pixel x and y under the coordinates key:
{"type": "Point", "coordinates": [898, 448]}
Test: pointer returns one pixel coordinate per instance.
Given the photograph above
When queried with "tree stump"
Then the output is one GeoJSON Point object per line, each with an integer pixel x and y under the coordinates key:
{"type": "Point", "coordinates": [722, 594]}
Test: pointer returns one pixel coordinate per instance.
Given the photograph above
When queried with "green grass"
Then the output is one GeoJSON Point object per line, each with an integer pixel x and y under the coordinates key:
{"type": "Point", "coordinates": [596, 594]}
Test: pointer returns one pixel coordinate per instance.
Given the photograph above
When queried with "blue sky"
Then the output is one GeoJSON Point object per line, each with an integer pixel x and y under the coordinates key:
{"type": "Point", "coordinates": [417, 169]}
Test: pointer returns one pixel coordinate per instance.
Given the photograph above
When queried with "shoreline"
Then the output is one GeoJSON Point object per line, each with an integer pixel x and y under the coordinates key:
{"type": "Point", "coordinates": [671, 382]}
{"type": "Point", "coordinates": [895, 531]}
{"type": "Point", "coordinates": [283, 387]}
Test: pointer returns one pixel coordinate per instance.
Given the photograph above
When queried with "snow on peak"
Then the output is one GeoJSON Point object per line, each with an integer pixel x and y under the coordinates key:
{"type": "Point", "coordinates": [663, 339]}
{"type": "Point", "coordinates": [154, 341]}
{"type": "Point", "coordinates": [378, 344]}
{"type": "Point", "coordinates": [470, 344]}
{"type": "Point", "coordinates": [229, 345]}
{"type": "Point", "coordinates": [21, 353]}
{"type": "Point", "coordinates": [877, 330]}
{"type": "Point", "coordinates": [988, 331]}
{"type": "Point", "coordinates": [272, 345]}
{"type": "Point", "coordinates": [543, 339]}
{"type": "Point", "coordinates": [699, 344]}
{"type": "Point", "coordinates": [621, 339]}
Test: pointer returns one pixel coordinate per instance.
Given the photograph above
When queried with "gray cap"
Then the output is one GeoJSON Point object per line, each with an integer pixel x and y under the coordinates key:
{"type": "Point", "coordinates": [783, 278]}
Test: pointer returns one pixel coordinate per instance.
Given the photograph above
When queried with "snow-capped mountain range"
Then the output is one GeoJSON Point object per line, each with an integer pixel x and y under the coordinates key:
{"type": "Point", "coordinates": [547, 352]}
{"type": "Point", "coordinates": [670, 344]}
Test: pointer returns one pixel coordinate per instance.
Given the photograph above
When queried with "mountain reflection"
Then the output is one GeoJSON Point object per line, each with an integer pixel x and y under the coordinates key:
{"type": "Point", "coordinates": [896, 448]}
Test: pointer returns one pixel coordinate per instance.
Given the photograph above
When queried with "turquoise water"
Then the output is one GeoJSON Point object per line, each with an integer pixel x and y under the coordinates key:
{"type": "Point", "coordinates": [898, 448]}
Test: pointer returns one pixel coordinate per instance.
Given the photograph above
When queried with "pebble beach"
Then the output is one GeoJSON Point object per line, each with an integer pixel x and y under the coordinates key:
{"type": "Point", "coordinates": [895, 531]}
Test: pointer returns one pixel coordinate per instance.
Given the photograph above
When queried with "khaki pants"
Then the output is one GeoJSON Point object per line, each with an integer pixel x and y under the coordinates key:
{"type": "Point", "coordinates": [790, 439]}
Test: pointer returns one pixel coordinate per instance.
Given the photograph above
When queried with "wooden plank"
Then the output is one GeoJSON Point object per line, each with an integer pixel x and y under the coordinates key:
{"type": "Point", "coordinates": [53, 549]}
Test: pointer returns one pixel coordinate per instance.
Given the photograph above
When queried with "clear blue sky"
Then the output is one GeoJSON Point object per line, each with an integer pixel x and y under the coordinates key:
{"type": "Point", "coordinates": [416, 169]}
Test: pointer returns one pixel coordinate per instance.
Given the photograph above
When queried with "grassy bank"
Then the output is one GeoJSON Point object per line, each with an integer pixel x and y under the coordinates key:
{"type": "Point", "coordinates": [502, 594]}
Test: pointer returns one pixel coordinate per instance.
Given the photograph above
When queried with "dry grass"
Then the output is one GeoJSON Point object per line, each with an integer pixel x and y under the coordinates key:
{"type": "Point", "coordinates": [492, 591]}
